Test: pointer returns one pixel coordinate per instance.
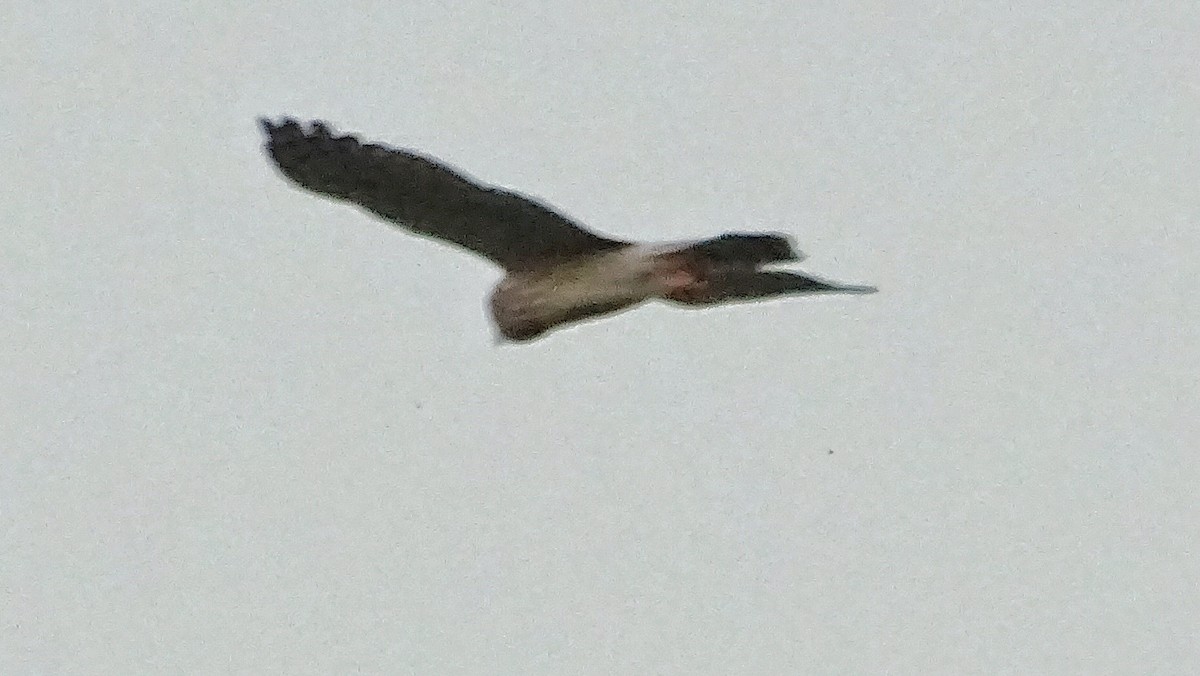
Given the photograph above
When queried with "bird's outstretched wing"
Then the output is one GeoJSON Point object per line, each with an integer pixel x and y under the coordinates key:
{"type": "Point", "coordinates": [746, 248]}
{"type": "Point", "coordinates": [428, 198]}
{"type": "Point", "coordinates": [732, 285]}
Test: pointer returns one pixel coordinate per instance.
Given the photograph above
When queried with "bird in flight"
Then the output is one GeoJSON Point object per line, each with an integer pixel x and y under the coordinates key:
{"type": "Point", "coordinates": [557, 271]}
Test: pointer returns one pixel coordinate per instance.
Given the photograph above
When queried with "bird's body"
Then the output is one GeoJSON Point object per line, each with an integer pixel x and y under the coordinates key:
{"type": "Point", "coordinates": [528, 302]}
{"type": "Point", "coordinates": [557, 272]}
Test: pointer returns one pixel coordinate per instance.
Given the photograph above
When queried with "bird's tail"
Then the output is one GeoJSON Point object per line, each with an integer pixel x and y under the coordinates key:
{"type": "Point", "coordinates": [740, 284]}
{"type": "Point", "coordinates": [846, 288]}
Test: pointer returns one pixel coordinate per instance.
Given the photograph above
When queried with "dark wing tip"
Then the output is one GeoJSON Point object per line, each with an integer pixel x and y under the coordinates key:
{"type": "Point", "coordinates": [290, 129]}
{"type": "Point", "coordinates": [285, 124]}
{"type": "Point", "coordinates": [780, 247]}
{"type": "Point", "coordinates": [759, 248]}
{"type": "Point", "coordinates": [313, 157]}
{"type": "Point", "coordinates": [281, 134]}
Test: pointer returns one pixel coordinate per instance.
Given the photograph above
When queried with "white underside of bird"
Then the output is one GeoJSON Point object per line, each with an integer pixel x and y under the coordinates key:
{"type": "Point", "coordinates": [526, 304]}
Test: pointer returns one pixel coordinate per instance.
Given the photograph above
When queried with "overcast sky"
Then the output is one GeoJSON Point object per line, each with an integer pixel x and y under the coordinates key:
{"type": "Point", "coordinates": [249, 431]}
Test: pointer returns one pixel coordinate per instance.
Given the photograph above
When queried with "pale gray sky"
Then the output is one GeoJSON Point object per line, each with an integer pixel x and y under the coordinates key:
{"type": "Point", "coordinates": [249, 431]}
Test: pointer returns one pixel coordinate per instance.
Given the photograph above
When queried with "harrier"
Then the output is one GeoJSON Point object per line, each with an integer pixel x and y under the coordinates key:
{"type": "Point", "coordinates": [557, 271]}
